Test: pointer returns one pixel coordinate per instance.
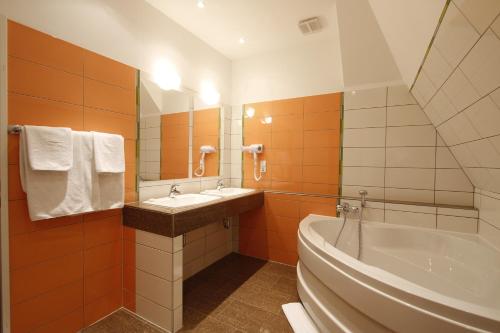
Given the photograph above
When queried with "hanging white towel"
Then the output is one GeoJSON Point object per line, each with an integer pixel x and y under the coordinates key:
{"type": "Point", "coordinates": [49, 148]}
{"type": "Point", "coordinates": [111, 190]}
{"type": "Point", "coordinates": [59, 193]}
{"type": "Point", "coordinates": [109, 153]}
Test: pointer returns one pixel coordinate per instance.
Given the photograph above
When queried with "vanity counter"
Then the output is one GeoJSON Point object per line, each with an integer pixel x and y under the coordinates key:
{"type": "Point", "coordinates": [173, 222]}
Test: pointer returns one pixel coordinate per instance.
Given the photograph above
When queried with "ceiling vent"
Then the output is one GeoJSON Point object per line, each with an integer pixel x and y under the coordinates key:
{"type": "Point", "coordinates": [310, 25]}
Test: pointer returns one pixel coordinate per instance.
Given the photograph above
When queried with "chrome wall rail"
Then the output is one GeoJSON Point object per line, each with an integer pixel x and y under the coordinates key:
{"type": "Point", "coordinates": [14, 129]}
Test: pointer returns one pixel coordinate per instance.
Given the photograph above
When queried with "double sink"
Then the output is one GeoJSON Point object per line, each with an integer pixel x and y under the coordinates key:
{"type": "Point", "coordinates": [183, 200]}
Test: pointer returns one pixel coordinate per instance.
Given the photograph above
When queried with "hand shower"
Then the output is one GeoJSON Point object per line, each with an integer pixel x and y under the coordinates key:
{"type": "Point", "coordinates": [255, 149]}
{"type": "Point", "coordinates": [200, 171]}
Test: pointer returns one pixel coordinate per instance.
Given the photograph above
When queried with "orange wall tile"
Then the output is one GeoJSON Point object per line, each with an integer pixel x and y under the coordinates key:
{"type": "Point", "coordinates": [32, 79]}
{"type": "Point", "coordinates": [301, 147]}
{"type": "Point", "coordinates": [174, 155]}
{"type": "Point", "coordinates": [109, 71]}
{"type": "Point", "coordinates": [29, 44]}
{"type": "Point", "coordinates": [77, 259]}
{"type": "Point", "coordinates": [206, 124]}
{"type": "Point", "coordinates": [109, 97]}
{"type": "Point", "coordinates": [47, 307]}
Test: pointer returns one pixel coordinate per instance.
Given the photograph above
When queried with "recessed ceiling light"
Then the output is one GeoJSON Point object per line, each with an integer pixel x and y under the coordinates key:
{"type": "Point", "coordinates": [201, 4]}
{"type": "Point", "coordinates": [242, 40]}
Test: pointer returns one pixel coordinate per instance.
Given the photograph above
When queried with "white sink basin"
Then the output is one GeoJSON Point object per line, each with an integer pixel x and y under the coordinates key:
{"type": "Point", "coordinates": [181, 200]}
{"type": "Point", "coordinates": [228, 191]}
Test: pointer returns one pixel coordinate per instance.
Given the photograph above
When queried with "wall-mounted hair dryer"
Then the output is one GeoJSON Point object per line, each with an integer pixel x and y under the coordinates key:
{"type": "Point", "coordinates": [200, 171]}
{"type": "Point", "coordinates": [255, 149]}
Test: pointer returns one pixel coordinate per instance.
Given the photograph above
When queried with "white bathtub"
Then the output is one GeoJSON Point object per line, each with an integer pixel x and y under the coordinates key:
{"type": "Point", "coordinates": [408, 280]}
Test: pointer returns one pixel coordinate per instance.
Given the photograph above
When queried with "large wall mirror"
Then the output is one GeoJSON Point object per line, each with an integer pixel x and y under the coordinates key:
{"type": "Point", "coordinates": [179, 135]}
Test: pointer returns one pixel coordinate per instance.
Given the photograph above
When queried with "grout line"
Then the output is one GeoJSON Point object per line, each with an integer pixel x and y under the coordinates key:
{"type": "Point", "coordinates": [431, 42]}
{"type": "Point", "coordinates": [440, 88]}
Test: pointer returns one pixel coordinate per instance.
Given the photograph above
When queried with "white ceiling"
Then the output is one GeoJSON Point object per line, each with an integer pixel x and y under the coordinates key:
{"type": "Point", "coordinates": [266, 25]}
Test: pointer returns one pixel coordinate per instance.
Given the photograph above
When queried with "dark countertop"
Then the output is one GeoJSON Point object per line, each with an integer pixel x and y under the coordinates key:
{"type": "Point", "coordinates": [173, 222]}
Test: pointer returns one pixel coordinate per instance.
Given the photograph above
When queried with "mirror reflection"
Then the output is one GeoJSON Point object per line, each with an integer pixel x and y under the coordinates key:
{"type": "Point", "coordinates": [164, 132]}
{"type": "Point", "coordinates": [206, 129]}
{"type": "Point", "coordinates": [179, 134]}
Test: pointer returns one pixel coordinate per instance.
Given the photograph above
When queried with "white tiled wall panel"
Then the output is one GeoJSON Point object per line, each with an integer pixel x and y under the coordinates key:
{"type": "Point", "coordinates": [393, 150]}
{"type": "Point", "coordinates": [149, 148]}
{"type": "Point", "coordinates": [466, 111]}
{"type": "Point", "coordinates": [449, 219]}
{"type": "Point", "coordinates": [158, 279]}
{"type": "Point", "coordinates": [206, 245]}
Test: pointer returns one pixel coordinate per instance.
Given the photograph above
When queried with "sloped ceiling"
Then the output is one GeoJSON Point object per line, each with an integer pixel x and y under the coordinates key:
{"type": "Point", "coordinates": [366, 58]}
{"type": "Point", "coordinates": [408, 27]}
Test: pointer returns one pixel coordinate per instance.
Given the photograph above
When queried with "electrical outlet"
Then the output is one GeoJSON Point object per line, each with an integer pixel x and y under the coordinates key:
{"type": "Point", "coordinates": [263, 166]}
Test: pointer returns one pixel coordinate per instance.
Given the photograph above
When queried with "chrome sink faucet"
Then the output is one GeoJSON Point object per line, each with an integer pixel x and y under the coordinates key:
{"type": "Point", "coordinates": [173, 191]}
{"type": "Point", "coordinates": [220, 184]}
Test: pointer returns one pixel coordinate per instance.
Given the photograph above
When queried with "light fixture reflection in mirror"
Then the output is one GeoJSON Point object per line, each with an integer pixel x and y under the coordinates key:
{"type": "Point", "coordinates": [209, 93]}
{"type": "Point", "coordinates": [165, 76]}
{"type": "Point", "coordinates": [267, 120]}
{"type": "Point", "coordinates": [249, 112]}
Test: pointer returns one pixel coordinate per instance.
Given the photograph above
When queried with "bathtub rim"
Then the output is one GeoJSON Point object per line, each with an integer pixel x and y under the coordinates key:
{"type": "Point", "coordinates": [414, 295]}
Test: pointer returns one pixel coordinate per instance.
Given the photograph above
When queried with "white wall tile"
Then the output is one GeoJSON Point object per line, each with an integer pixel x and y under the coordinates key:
{"type": "Point", "coordinates": [484, 153]}
{"type": "Point", "coordinates": [452, 180]}
{"type": "Point", "coordinates": [236, 141]}
{"type": "Point", "coordinates": [407, 136]}
{"type": "Point", "coordinates": [368, 98]}
{"type": "Point", "coordinates": [406, 115]}
{"type": "Point", "coordinates": [464, 155]}
{"type": "Point", "coordinates": [480, 13]}
{"type": "Point", "coordinates": [490, 210]}
{"type": "Point", "coordinates": [440, 108]}
{"type": "Point", "coordinates": [416, 157]}
{"type": "Point", "coordinates": [154, 313]}
{"type": "Point", "coordinates": [155, 241]}
{"type": "Point", "coordinates": [495, 26]}
{"type": "Point", "coordinates": [154, 288]}
{"type": "Point", "coordinates": [374, 157]}
{"type": "Point", "coordinates": [424, 89]}
{"type": "Point", "coordinates": [462, 128]}
{"type": "Point", "coordinates": [366, 137]}
{"type": "Point", "coordinates": [489, 233]}
{"type": "Point", "coordinates": [481, 66]}
{"type": "Point", "coordinates": [495, 96]}
{"type": "Point", "coordinates": [436, 67]}
{"type": "Point", "coordinates": [460, 91]}
{"type": "Point", "coordinates": [455, 36]}
{"type": "Point", "coordinates": [353, 191]}
{"type": "Point", "coordinates": [363, 176]}
{"type": "Point", "coordinates": [458, 224]}
{"type": "Point", "coordinates": [410, 178]}
{"type": "Point", "coordinates": [372, 214]}
{"type": "Point", "coordinates": [411, 208]}
{"type": "Point", "coordinates": [484, 115]}
{"type": "Point", "coordinates": [154, 261]}
{"type": "Point", "coordinates": [411, 219]}
{"type": "Point", "coordinates": [445, 159]}
{"type": "Point", "coordinates": [399, 95]}
{"type": "Point", "coordinates": [373, 117]}
{"type": "Point", "coordinates": [473, 213]}
{"type": "Point", "coordinates": [411, 195]}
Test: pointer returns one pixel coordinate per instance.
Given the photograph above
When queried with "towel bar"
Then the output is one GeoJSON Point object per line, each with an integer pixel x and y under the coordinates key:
{"type": "Point", "coordinates": [14, 129]}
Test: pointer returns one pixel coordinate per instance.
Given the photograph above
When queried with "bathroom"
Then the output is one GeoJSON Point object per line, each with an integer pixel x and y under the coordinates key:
{"type": "Point", "coordinates": [249, 166]}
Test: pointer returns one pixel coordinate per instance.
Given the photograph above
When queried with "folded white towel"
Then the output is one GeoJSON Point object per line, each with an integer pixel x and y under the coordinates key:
{"type": "Point", "coordinates": [109, 153]}
{"type": "Point", "coordinates": [60, 193]}
{"type": "Point", "coordinates": [49, 148]}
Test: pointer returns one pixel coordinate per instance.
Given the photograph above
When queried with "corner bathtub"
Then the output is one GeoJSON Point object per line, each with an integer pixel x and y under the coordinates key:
{"type": "Point", "coordinates": [408, 280]}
